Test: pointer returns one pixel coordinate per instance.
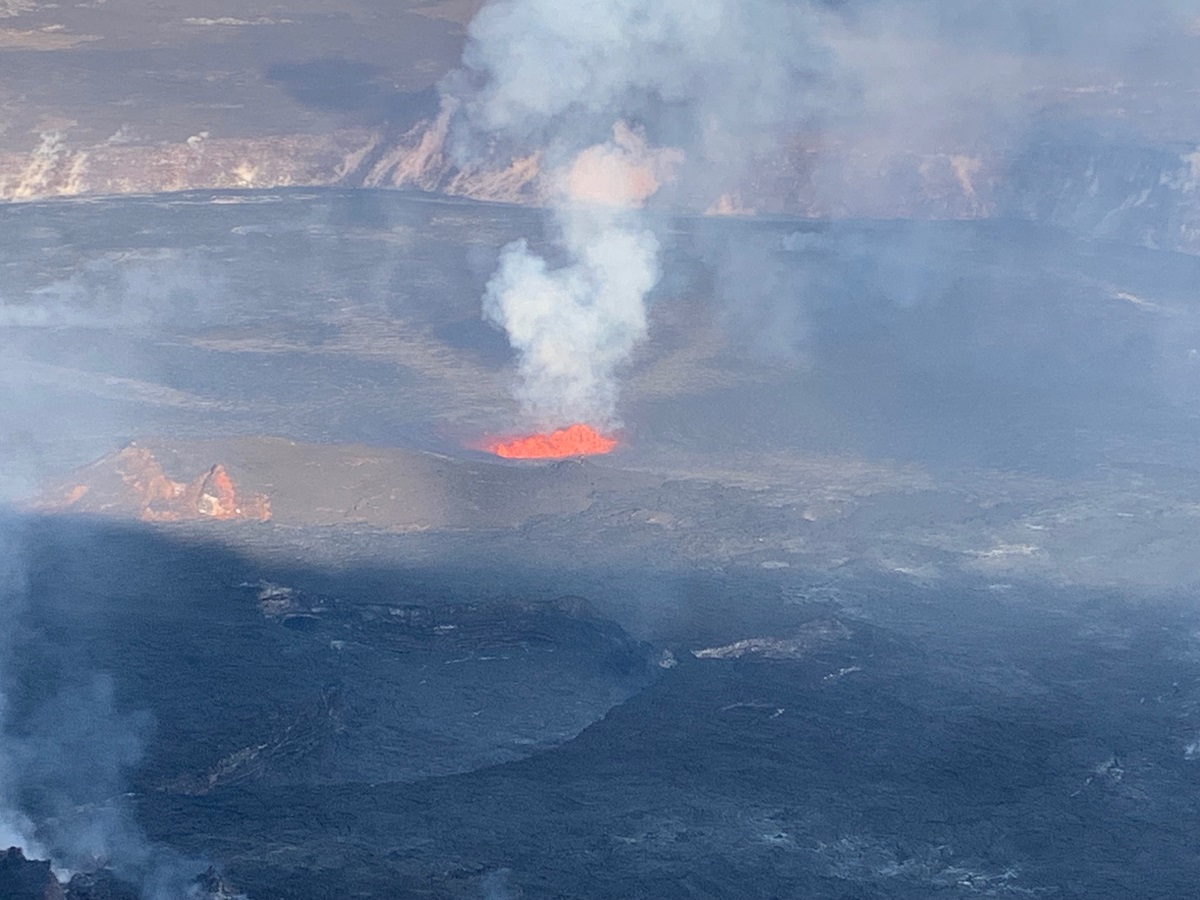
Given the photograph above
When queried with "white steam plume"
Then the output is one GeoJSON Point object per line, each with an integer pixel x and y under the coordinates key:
{"type": "Point", "coordinates": [574, 326]}
{"type": "Point", "coordinates": [558, 76]}
{"type": "Point", "coordinates": [555, 72]}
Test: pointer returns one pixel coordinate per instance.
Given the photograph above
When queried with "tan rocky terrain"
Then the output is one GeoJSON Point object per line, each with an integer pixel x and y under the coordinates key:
{"type": "Point", "coordinates": [796, 513]}
{"type": "Point", "coordinates": [298, 484]}
{"type": "Point", "coordinates": [149, 96]}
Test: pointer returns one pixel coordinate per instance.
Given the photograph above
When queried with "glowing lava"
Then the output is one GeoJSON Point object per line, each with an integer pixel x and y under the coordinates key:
{"type": "Point", "coordinates": [575, 440]}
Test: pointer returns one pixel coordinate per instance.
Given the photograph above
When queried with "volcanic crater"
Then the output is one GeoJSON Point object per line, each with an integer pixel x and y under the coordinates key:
{"type": "Point", "coordinates": [824, 630]}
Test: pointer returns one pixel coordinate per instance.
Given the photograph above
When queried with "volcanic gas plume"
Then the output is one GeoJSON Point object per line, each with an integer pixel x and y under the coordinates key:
{"type": "Point", "coordinates": [575, 440]}
{"type": "Point", "coordinates": [550, 78]}
{"type": "Point", "coordinates": [574, 326]}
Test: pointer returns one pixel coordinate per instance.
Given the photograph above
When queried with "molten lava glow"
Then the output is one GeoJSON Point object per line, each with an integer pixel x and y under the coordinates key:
{"type": "Point", "coordinates": [576, 440]}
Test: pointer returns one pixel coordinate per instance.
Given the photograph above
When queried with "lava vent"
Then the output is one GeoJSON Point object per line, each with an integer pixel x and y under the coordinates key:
{"type": "Point", "coordinates": [575, 440]}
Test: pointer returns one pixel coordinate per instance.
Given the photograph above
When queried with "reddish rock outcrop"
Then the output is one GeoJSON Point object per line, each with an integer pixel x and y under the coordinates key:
{"type": "Point", "coordinates": [132, 482]}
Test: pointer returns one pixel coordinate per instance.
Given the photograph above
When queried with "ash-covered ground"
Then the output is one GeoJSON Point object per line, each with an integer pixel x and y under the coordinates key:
{"type": "Point", "coordinates": [888, 590]}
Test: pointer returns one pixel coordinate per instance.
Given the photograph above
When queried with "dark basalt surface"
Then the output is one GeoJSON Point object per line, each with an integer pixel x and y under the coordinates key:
{"type": "Point", "coordinates": [33, 879]}
{"type": "Point", "coordinates": [405, 743]}
{"type": "Point", "coordinates": [27, 879]}
{"type": "Point", "coordinates": [249, 680]}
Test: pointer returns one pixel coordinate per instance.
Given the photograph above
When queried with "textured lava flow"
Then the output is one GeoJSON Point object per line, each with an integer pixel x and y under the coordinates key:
{"type": "Point", "coordinates": [575, 440]}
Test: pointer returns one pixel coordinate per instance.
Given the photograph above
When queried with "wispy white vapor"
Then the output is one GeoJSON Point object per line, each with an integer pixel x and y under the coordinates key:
{"type": "Point", "coordinates": [548, 68]}
{"type": "Point", "coordinates": [574, 326]}
{"type": "Point", "coordinates": [15, 828]}
{"type": "Point", "coordinates": [63, 771]}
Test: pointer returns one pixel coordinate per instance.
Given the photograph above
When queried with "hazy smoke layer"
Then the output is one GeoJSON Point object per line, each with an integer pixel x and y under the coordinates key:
{"type": "Point", "coordinates": [556, 71]}
{"type": "Point", "coordinates": [15, 828]}
{"type": "Point", "coordinates": [897, 105]}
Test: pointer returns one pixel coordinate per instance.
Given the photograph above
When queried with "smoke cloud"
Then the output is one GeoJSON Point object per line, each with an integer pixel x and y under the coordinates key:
{"type": "Point", "coordinates": [574, 326]}
{"type": "Point", "coordinates": [876, 108]}
{"type": "Point", "coordinates": [15, 828]}
{"type": "Point", "coordinates": [692, 70]}
{"type": "Point", "coordinates": [65, 759]}
{"type": "Point", "coordinates": [653, 76]}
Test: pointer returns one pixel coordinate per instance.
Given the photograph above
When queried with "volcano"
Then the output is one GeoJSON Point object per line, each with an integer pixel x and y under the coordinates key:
{"type": "Point", "coordinates": [575, 440]}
